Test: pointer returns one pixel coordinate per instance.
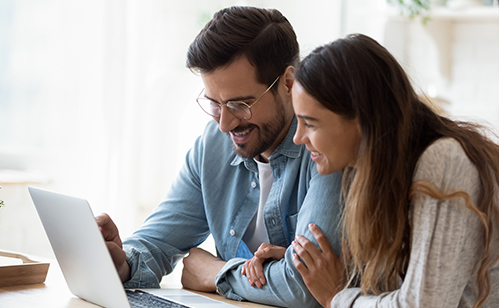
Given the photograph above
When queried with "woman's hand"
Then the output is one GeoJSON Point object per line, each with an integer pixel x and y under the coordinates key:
{"type": "Point", "coordinates": [253, 268]}
{"type": "Point", "coordinates": [324, 272]}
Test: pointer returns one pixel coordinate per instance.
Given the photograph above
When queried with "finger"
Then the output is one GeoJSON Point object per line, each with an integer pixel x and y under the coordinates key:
{"type": "Point", "coordinates": [250, 273]}
{"type": "Point", "coordinates": [102, 218]}
{"type": "Point", "coordinates": [247, 270]}
{"type": "Point", "coordinates": [243, 268]}
{"type": "Point", "coordinates": [254, 270]}
{"type": "Point", "coordinates": [302, 252]}
{"type": "Point", "coordinates": [302, 269]}
{"type": "Point", "coordinates": [321, 238]}
{"type": "Point", "coordinates": [254, 279]}
{"type": "Point", "coordinates": [104, 221]}
{"type": "Point", "coordinates": [108, 228]}
{"type": "Point", "coordinates": [312, 250]}
{"type": "Point", "coordinates": [259, 274]}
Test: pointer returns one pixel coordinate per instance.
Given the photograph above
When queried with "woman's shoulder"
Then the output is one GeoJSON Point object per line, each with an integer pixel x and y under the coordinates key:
{"type": "Point", "coordinates": [444, 151]}
{"type": "Point", "coordinates": [442, 146]}
{"type": "Point", "coordinates": [445, 163]}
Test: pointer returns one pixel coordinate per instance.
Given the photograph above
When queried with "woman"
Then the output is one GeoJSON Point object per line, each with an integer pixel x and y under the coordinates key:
{"type": "Point", "coordinates": [420, 190]}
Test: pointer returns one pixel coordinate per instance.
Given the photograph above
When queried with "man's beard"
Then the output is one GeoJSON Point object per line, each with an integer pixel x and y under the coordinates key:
{"type": "Point", "coordinates": [267, 135]}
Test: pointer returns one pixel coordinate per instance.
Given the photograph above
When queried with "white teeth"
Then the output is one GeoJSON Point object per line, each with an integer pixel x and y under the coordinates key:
{"type": "Point", "coordinates": [239, 134]}
{"type": "Point", "coordinates": [316, 153]}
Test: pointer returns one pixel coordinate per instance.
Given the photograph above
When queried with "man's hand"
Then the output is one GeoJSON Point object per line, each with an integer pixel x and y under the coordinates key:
{"type": "Point", "coordinates": [253, 268]}
{"type": "Point", "coordinates": [114, 245]}
{"type": "Point", "coordinates": [200, 270]}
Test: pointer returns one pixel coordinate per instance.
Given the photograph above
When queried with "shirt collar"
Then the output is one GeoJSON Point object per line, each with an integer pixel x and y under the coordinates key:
{"type": "Point", "coordinates": [287, 147]}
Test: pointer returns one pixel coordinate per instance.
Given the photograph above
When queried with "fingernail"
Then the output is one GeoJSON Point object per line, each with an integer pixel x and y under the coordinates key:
{"type": "Point", "coordinates": [262, 281]}
{"type": "Point", "coordinates": [310, 226]}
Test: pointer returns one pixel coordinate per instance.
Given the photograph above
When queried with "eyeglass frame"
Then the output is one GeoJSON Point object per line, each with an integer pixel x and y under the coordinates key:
{"type": "Point", "coordinates": [249, 106]}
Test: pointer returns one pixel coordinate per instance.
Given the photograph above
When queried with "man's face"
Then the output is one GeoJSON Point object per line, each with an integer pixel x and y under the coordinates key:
{"type": "Point", "coordinates": [270, 116]}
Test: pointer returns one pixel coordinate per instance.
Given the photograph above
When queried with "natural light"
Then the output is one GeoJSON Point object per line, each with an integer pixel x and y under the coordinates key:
{"type": "Point", "coordinates": [96, 102]}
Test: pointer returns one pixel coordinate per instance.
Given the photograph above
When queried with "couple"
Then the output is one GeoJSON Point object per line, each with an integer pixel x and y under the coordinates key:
{"type": "Point", "coordinates": [336, 186]}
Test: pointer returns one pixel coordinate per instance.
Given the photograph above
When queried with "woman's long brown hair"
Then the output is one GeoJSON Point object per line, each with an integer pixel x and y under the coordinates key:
{"type": "Point", "coordinates": [357, 78]}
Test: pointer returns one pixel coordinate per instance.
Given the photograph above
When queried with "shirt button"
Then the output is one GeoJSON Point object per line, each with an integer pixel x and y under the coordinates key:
{"type": "Point", "coordinates": [232, 232]}
{"type": "Point", "coordinates": [273, 221]}
{"type": "Point", "coordinates": [253, 184]}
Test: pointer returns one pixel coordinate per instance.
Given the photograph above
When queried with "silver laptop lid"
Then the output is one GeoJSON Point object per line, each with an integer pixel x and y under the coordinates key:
{"type": "Point", "coordinates": [83, 256]}
{"type": "Point", "coordinates": [79, 248]}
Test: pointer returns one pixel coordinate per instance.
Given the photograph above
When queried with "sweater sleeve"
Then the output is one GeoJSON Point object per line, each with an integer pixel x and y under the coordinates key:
{"type": "Point", "coordinates": [446, 238]}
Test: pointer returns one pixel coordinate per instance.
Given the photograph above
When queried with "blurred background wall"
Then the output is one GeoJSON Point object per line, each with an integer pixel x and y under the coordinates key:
{"type": "Point", "coordinates": [95, 100]}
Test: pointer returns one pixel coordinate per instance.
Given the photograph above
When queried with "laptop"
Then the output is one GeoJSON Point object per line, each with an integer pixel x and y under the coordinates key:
{"type": "Point", "coordinates": [86, 263]}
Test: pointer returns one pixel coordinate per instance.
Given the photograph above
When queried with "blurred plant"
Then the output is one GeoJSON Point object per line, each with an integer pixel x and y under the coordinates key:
{"type": "Point", "coordinates": [411, 8]}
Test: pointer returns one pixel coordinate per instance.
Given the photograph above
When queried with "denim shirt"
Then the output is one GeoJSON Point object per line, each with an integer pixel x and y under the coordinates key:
{"type": "Point", "coordinates": [218, 192]}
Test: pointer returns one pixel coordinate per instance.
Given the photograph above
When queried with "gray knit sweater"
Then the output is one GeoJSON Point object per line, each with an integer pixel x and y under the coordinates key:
{"type": "Point", "coordinates": [446, 243]}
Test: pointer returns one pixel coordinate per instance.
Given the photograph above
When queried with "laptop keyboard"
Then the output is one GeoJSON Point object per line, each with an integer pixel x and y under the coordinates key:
{"type": "Point", "coordinates": [140, 299]}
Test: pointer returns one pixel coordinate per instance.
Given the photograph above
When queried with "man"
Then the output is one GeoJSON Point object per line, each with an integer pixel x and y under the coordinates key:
{"type": "Point", "coordinates": [244, 181]}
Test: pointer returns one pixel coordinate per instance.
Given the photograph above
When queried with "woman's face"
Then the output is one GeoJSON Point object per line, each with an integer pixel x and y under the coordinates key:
{"type": "Point", "coordinates": [332, 140]}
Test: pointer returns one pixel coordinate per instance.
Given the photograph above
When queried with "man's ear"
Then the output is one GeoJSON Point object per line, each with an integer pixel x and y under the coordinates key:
{"type": "Point", "coordinates": [289, 78]}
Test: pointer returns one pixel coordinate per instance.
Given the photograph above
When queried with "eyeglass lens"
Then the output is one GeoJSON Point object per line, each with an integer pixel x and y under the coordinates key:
{"type": "Point", "coordinates": [238, 109]}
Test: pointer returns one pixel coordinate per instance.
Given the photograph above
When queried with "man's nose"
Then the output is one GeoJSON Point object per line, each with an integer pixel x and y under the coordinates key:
{"type": "Point", "coordinates": [227, 120]}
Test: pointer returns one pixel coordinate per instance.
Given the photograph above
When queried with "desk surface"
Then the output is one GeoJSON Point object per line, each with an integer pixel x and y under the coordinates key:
{"type": "Point", "coordinates": [54, 293]}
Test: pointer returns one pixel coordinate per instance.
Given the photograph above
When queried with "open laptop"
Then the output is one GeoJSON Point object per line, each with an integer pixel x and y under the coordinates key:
{"type": "Point", "coordinates": [86, 263]}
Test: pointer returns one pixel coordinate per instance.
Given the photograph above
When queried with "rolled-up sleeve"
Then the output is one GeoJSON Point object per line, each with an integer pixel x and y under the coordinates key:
{"type": "Point", "coordinates": [285, 286]}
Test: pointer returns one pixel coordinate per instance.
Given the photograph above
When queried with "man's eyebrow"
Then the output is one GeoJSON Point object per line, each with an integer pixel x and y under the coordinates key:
{"type": "Point", "coordinates": [308, 118]}
{"type": "Point", "coordinates": [239, 98]}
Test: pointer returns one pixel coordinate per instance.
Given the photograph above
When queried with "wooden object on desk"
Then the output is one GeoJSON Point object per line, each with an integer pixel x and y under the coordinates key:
{"type": "Point", "coordinates": [29, 272]}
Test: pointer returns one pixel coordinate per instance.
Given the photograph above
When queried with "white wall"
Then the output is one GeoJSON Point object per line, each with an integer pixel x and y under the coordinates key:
{"type": "Point", "coordinates": [63, 59]}
{"type": "Point", "coordinates": [452, 56]}
{"type": "Point", "coordinates": [457, 61]}
{"type": "Point", "coordinates": [95, 96]}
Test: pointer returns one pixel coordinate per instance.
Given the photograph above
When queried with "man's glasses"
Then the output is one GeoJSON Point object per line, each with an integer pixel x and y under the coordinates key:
{"type": "Point", "coordinates": [239, 109]}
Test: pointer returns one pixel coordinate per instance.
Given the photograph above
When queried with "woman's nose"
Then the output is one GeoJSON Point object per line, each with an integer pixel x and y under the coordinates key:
{"type": "Point", "coordinates": [299, 137]}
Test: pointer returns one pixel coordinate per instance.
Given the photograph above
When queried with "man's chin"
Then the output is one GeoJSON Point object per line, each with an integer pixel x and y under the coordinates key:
{"type": "Point", "coordinates": [252, 148]}
{"type": "Point", "coordinates": [242, 150]}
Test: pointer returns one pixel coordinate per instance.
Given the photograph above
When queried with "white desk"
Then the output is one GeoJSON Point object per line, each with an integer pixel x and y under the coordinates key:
{"type": "Point", "coordinates": [54, 293]}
